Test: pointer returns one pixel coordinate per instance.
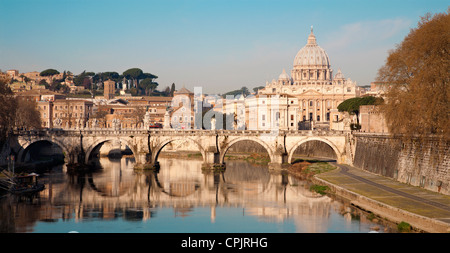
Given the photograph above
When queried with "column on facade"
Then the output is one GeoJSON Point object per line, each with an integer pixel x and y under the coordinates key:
{"type": "Point", "coordinates": [322, 109]}
{"type": "Point", "coordinates": [307, 109]}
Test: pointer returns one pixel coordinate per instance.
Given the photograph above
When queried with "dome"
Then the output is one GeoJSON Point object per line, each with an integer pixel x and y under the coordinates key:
{"type": "Point", "coordinates": [283, 76]}
{"type": "Point", "coordinates": [311, 54]}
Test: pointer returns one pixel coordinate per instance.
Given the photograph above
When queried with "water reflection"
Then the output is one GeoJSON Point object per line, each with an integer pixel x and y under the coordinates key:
{"type": "Point", "coordinates": [245, 193]}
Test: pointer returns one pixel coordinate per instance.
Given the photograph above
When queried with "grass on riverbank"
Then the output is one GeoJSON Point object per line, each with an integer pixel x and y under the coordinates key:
{"type": "Point", "coordinates": [308, 168]}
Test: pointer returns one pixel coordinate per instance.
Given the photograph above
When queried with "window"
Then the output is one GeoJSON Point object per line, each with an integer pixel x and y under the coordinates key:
{"type": "Point", "coordinates": [263, 117]}
{"type": "Point", "coordinates": [318, 118]}
{"type": "Point", "coordinates": [310, 103]}
{"type": "Point", "coordinates": [292, 116]}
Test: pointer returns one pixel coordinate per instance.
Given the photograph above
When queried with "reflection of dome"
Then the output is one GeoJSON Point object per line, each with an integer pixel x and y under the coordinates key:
{"type": "Point", "coordinates": [311, 54]}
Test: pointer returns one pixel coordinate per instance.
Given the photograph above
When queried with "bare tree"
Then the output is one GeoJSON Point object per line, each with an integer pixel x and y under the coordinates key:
{"type": "Point", "coordinates": [8, 107]}
{"type": "Point", "coordinates": [27, 115]}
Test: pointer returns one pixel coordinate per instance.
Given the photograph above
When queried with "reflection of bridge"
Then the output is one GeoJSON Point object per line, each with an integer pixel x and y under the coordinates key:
{"type": "Point", "coordinates": [79, 145]}
{"type": "Point", "coordinates": [181, 184]}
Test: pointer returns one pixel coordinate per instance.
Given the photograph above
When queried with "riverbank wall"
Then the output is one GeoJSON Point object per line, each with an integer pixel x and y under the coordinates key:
{"type": "Point", "coordinates": [424, 163]}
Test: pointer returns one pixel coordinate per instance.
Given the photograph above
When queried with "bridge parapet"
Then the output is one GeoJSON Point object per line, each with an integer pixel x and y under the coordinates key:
{"type": "Point", "coordinates": [172, 132]}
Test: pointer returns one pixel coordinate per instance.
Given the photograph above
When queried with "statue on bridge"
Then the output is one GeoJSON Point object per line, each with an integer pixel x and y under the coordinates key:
{"type": "Point", "coordinates": [57, 123]}
{"type": "Point", "coordinates": [116, 124]}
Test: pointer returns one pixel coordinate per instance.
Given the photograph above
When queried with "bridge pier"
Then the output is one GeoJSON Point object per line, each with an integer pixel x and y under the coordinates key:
{"type": "Point", "coordinates": [212, 161]}
{"type": "Point", "coordinates": [278, 161]}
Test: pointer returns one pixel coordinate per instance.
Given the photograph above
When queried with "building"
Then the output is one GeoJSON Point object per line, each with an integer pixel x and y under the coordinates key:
{"type": "Point", "coordinates": [182, 113]}
{"type": "Point", "coordinates": [71, 113]}
{"type": "Point", "coordinates": [313, 84]}
{"type": "Point", "coordinates": [45, 108]}
{"type": "Point", "coordinates": [274, 112]}
{"type": "Point", "coordinates": [372, 120]}
{"type": "Point", "coordinates": [109, 89]}
{"type": "Point", "coordinates": [39, 95]}
{"type": "Point", "coordinates": [378, 89]}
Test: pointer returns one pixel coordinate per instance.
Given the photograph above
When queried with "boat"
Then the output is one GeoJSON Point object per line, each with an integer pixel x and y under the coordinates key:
{"type": "Point", "coordinates": [26, 184]}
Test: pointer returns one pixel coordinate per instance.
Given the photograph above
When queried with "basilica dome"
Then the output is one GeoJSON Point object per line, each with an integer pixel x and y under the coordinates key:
{"type": "Point", "coordinates": [283, 76]}
{"type": "Point", "coordinates": [311, 55]}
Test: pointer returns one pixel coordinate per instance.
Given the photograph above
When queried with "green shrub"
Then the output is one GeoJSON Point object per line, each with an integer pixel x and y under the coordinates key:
{"type": "Point", "coordinates": [404, 227]}
{"type": "Point", "coordinates": [321, 189]}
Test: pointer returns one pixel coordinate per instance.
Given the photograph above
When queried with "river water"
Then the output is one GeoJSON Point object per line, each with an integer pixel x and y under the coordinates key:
{"type": "Point", "coordinates": [180, 198]}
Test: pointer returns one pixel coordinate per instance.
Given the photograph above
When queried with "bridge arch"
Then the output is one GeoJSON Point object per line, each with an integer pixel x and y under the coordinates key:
{"type": "Point", "coordinates": [308, 139]}
{"type": "Point", "coordinates": [224, 150]}
{"type": "Point", "coordinates": [97, 143]}
{"type": "Point", "coordinates": [27, 144]}
{"type": "Point", "coordinates": [161, 145]}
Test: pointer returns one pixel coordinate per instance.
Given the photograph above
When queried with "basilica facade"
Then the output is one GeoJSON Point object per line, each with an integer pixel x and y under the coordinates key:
{"type": "Point", "coordinates": [316, 91]}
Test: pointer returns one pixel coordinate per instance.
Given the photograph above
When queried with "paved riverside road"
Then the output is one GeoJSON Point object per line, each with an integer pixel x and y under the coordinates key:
{"type": "Point", "coordinates": [412, 199]}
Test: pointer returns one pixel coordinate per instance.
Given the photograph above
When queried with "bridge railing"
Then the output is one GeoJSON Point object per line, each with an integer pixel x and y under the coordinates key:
{"type": "Point", "coordinates": [159, 131]}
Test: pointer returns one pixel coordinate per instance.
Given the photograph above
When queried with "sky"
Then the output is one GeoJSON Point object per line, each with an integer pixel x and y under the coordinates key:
{"type": "Point", "coordinates": [219, 45]}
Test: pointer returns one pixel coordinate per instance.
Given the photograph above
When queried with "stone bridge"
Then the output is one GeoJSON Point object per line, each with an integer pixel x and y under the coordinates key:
{"type": "Point", "coordinates": [79, 145]}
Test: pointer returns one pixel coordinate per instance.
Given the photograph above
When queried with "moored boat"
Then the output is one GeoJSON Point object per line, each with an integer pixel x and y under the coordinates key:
{"type": "Point", "coordinates": [26, 184]}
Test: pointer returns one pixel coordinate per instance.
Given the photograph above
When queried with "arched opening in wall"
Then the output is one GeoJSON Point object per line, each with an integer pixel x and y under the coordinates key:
{"type": "Point", "coordinates": [42, 151]}
{"type": "Point", "coordinates": [180, 167]}
{"type": "Point", "coordinates": [180, 148]}
{"type": "Point", "coordinates": [110, 151]}
{"type": "Point", "coordinates": [312, 150]}
{"type": "Point", "coordinates": [247, 150]}
{"type": "Point", "coordinates": [247, 167]}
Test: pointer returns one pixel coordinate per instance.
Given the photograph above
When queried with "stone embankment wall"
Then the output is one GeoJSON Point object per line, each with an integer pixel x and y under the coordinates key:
{"type": "Point", "coordinates": [424, 164]}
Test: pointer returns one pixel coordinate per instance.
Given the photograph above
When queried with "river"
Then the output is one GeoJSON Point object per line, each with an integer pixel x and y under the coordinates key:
{"type": "Point", "coordinates": [180, 198]}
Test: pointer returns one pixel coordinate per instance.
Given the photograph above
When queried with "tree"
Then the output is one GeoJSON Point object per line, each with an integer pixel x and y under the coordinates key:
{"type": "Point", "coordinates": [172, 89]}
{"type": "Point", "coordinates": [258, 88]}
{"type": "Point", "coordinates": [417, 72]}
{"type": "Point", "coordinates": [8, 107]}
{"type": "Point", "coordinates": [147, 86]}
{"type": "Point", "coordinates": [15, 112]}
{"type": "Point", "coordinates": [27, 115]}
{"type": "Point", "coordinates": [134, 74]}
{"type": "Point", "coordinates": [49, 72]}
{"type": "Point", "coordinates": [243, 91]}
{"type": "Point", "coordinates": [44, 82]}
{"type": "Point", "coordinates": [352, 105]}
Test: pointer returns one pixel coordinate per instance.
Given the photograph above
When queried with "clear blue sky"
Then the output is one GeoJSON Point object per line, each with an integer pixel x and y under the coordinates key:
{"type": "Point", "coordinates": [218, 45]}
